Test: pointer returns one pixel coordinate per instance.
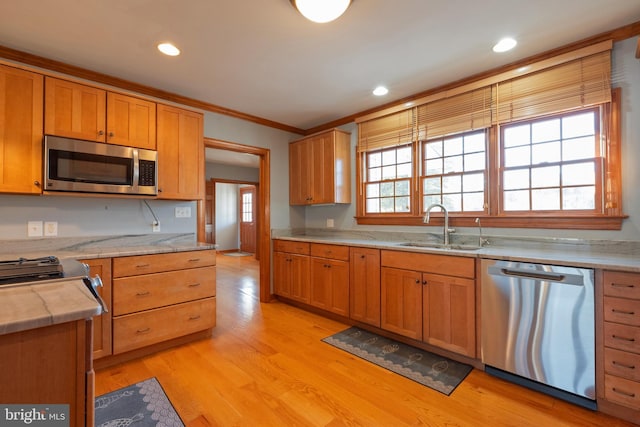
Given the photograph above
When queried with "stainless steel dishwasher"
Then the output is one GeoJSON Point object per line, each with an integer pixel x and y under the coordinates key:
{"type": "Point", "coordinates": [538, 327]}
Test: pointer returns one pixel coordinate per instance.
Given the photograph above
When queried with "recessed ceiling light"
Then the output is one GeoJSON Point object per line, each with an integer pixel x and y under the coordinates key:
{"type": "Point", "coordinates": [380, 91]}
{"type": "Point", "coordinates": [504, 45]}
{"type": "Point", "coordinates": [168, 49]}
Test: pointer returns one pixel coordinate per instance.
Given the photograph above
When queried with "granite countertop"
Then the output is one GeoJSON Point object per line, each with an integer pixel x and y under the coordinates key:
{"type": "Point", "coordinates": [617, 255]}
{"type": "Point", "coordinates": [45, 303]}
{"type": "Point", "coordinates": [28, 306]}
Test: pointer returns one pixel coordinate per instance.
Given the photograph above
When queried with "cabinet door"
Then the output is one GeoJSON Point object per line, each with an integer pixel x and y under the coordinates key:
{"type": "Point", "coordinates": [75, 111]}
{"type": "Point", "coordinates": [322, 169]}
{"type": "Point", "coordinates": [300, 173]}
{"type": "Point", "coordinates": [180, 154]}
{"type": "Point", "coordinates": [131, 121]}
{"type": "Point", "coordinates": [449, 313]}
{"type": "Point", "coordinates": [282, 274]}
{"type": "Point", "coordinates": [330, 285]}
{"type": "Point", "coordinates": [20, 131]}
{"type": "Point", "coordinates": [102, 323]}
{"type": "Point", "coordinates": [364, 285]}
{"type": "Point", "coordinates": [300, 278]}
{"type": "Point", "coordinates": [401, 302]}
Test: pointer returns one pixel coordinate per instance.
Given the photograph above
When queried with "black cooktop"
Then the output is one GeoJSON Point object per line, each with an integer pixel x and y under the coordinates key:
{"type": "Point", "coordinates": [30, 270]}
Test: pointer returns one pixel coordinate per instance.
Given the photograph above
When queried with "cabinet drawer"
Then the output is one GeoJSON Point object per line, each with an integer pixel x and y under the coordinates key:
{"type": "Point", "coordinates": [149, 327]}
{"type": "Point", "coordinates": [622, 364]}
{"type": "Point", "coordinates": [621, 310]}
{"type": "Point", "coordinates": [622, 337]}
{"type": "Point", "coordinates": [430, 263]}
{"type": "Point", "coordinates": [301, 248]}
{"type": "Point", "coordinates": [621, 284]}
{"type": "Point", "coordinates": [621, 391]}
{"type": "Point", "coordinates": [330, 251]}
{"type": "Point", "coordinates": [137, 293]}
{"type": "Point", "coordinates": [156, 263]}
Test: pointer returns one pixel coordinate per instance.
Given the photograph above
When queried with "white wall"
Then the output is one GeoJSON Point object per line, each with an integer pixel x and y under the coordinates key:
{"type": "Point", "coordinates": [626, 75]}
{"type": "Point", "coordinates": [226, 217]}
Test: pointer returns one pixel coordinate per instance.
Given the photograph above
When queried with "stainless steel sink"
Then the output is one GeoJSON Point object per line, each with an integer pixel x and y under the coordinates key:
{"type": "Point", "coordinates": [440, 246]}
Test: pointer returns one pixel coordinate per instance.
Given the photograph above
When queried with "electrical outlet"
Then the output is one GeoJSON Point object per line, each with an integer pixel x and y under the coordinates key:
{"type": "Point", "coordinates": [34, 228]}
{"type": "Point", "coordinates": [183, 212]}
{"type": "Point", "coordinates": [51, 228]}
{"type": "Point", "coordinates": [330, 223]}
{"type": "Point", "coordinates": [155, 227]}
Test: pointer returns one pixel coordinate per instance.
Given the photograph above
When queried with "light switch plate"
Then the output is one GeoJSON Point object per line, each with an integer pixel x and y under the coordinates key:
{"type": "Point", "coordinates": [34, 228]}
{"type": "Point", "coordinates": [51, 228]}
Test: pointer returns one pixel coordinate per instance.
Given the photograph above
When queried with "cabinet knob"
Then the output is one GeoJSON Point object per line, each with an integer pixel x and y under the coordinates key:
{"type": "Point", "coordinates": [418, 281]}
{"type": "Point", "coordinates": [100, 132]}
{"type": "Point", "coordinates": [424, 282]}
{"type": "Point", "coordinates": [363, 256]}
{"type": "Point", "coordinates": [111, 134]}
{"type": "Point", "coordinates": [36, 183]}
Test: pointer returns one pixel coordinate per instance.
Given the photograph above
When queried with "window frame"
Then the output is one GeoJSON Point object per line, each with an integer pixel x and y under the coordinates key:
{"type": "Point", "coordinates": [609, 217]}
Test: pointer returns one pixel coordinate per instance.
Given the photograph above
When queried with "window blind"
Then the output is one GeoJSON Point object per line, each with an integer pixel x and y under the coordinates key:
{"type": "Point", "coordinates": [580, 83]}
{"type": "Point", "coordinates": [388, 131]}
{"type": "Point", "coordinates": [460, 113]}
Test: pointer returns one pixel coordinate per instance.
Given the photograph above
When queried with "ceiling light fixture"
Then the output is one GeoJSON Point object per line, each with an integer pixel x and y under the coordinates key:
{"type": "Point", "coordinates": [504, 45]}
{"type": "Point", "coordinates": [380, 91]}
{"type": "Point", "coordinates": [168, 49]}
{"type": "Point", "coordinates": [321, 11]}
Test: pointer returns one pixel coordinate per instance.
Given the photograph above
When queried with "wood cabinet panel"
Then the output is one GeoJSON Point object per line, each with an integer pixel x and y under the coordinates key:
{"type": "Point", "coordinates": [622, 364]}
{"type": "Point", "coordinates": [21, 109]}
{"type": "Point", "coordinates": [180, 153]}
{"type": "Point", "coordinates": [622, 310]}
{"type": "Point", "coordinates": [401, 302]}
{"type": "Point", "coordinates": [131, 121]}
{"type": "Point", "coordinates": [156, 263]}
{"type": "Point", "coordinates": [291, 276]}
{"type": "Point", "coordinates": [364, 285]}
{"type": "Point", "coordinates": [449, 313]}
{"type": "Point", "coordinates": [75, 110]}
{"type": "Point", "coordinates": [152, 326]}
{"type": "Point", "coordinates": [102, 322]}
{"type": "Point", "coordinates": [622, 391]}
{"type": "Point", "coordinates": [330, 251]}
{"type": "Point", "coordinates": [430, 263]}
{"type": "Point", "coordinates": [290, 246]}
{"type": "Point", "coordinates": [138, 293]}
{"type": "Point", "coordinates": [621, 284]}
{"type": "Point", "coordinates": [622, 337]}
{"type": "Point", "coordinates": [330, 285]}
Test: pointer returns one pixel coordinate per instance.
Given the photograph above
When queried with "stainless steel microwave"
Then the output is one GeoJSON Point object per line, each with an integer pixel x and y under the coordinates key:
{"type": "Point", "coordinates": [95, 167]}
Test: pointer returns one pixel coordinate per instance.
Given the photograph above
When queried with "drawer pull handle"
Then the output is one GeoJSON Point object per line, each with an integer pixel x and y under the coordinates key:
{"type": "Point", "coordinates": [143, 294]}
{"type": "Point", "coordinates": [624, 393]}
{"type": "Point", "coordinates": [194, 317]}
{"type": "Point", "coordinates": [143, 331]}
{"type": "Point", "coordinates": [623, 365]}
{"type": "Point", "coordinates": [142, 265]}
{"type": "Point", "coordinates": [194, 259]}
{"type": "Point", "coordinates": [616, 337]}
{"type": "Point", "coordinates": [621, 285]}
{"type": "Point", "coordinates": [630, 313]}
{"type": "Point", "coordinates": [194, 285]}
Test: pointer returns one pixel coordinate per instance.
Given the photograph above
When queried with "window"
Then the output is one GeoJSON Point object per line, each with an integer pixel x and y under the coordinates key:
{"type": "Point", "coordinates": [454, 172]}
{"type": "Point", "coordinates": [552, 164]}
{"type": "Point", "coordinates": [537, 149]}
{"type": "Point", "coordinates": [388, 180]}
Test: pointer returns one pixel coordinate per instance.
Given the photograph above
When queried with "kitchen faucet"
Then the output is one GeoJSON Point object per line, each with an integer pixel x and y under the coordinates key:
{"type": "Point", "coordinates": [446, 230]}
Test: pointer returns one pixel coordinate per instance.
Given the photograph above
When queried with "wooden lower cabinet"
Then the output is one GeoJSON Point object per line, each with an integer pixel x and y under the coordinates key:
{"type": "Point", "coordinates": [364, 285]}
{"type": "Point", "coordinates": [291, 275]}
{"type": "Point", "coordinates": [102, 322]}
{"type": "Point", "coordinates": [330, 278]}
{"type": "Point", "coordinates": [50, 365]}
{"type": "Point", "coordinates": [435, 308]}
{"type": "Point", "coordinates": [619, 361]}
{"type": "Point", "coordinates": [161, 297]}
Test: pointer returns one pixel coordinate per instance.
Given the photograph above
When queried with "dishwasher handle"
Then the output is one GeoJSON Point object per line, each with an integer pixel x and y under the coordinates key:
{"type": "Point", "coordinates": [568, 279]}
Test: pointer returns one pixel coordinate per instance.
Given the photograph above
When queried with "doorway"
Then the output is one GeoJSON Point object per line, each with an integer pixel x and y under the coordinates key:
{"type": "Point", "coordinates": [261, 207]}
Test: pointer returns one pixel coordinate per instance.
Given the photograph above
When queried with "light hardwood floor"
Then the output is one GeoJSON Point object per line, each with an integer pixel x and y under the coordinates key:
{"type": "Point", "coordinates": [266, 366]}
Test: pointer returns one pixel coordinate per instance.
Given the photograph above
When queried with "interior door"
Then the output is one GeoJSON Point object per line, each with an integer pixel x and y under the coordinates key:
{"type": "Point", "coordinates": [248, 219]}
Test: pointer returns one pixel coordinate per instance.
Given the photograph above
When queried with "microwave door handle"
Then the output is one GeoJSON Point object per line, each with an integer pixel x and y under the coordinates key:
{"type": "Point", "coordinates": [136, 169]}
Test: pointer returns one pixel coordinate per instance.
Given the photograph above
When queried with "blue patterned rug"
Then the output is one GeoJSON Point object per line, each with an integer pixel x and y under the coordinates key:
{"type": "Point", "coordinates": [426, 368]}
{"type": "Point", "coordinates": [138, 405]}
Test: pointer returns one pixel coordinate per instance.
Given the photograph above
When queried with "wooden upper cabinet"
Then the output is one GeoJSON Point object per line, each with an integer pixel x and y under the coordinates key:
{"type": "Point", "coordinates": [20, 131]}
{"type": "Point", "coordinates": [74, 110]}
{"type": "Point", "coordinates": [131, 121]}
{"type": "Point", "coordinates": [180, 154]}
{"type": "Point", "coordinates": [320, 169]}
